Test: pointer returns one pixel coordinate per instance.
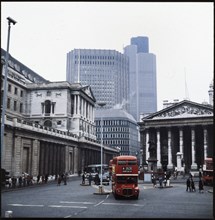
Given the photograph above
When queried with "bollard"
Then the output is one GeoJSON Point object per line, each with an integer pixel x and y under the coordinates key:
{"type": "Point", "coordinates": [168, 182]}
{"type": "Point", "coordinates": [8, 214]}
{"type": "Point", "coordinates": [100, 189]}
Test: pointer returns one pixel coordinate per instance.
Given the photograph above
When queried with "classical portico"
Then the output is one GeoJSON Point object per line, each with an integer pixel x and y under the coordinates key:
{"type": "Point", "coordinates": [183, 134]}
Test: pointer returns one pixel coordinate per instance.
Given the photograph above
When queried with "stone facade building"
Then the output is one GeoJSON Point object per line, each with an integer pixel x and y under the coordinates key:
{"type": "Point", "coordinates": [182, 135]}
{"type": "Point", "coordinates": [49, 126]}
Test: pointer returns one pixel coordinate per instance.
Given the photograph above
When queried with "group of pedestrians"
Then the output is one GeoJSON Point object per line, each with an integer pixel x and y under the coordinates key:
{"type": "Point", "coordinates": [42, 178]}
{"type": "Point", "coordinates": [191, 185]}
{"type": "Point", "coordinates": [162, 179]}
{"type": "Point", "coordinates": [84, 177]}
{"type": "Point", "coordinates": [62, 178]}
{"type": "Point", "coordinates": [21, 181]}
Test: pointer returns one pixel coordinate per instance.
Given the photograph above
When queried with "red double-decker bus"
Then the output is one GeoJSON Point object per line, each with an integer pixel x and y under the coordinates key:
{"type": "Point", "coordinates": [208, 171]}
{"type": "Point", "coordinates": [124, 171]}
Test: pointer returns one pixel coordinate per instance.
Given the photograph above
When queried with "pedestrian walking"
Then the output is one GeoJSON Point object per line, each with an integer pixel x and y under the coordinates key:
{"type": "Point", "coordinates": [28, 180]}
{"type": "Point", "coordinates": [65, 179]}
{"type": "Point", "coordinates": [46, 178]}
{"type": "Point", "coordinates": [43, 178]}
{"type": "Point", "coordinates": [24, 180]}
{"type": "Point", "coordinates": [193, 188]}
{"type": "Point", "coordinates": [165, 179]}
{"type": "Point", "coordinates": [154, 181]}
{"type": "Point", "coordinates": [59, 180]}
{"type": "Point", "coordinates": [20, 181]}
{"type": "Point", "coordinates": [14, 180]}
{"type": "Point", "coordinates": [83, 178]}
{"type": "Point", "coordinates": [90, 179]}
{"type": "Point", "coordinates": [38, 178]}
{"type": "Point", "coordinates": [161, 181]}
{"type": "Point", "coordinates": [97, 179]}
{"type": "Point", "coordinates": [201, 185]}
{"type": "Point", "coordinates": [79, 173]}
{"type": "Point", "coordinates": [10, 182]}
{"type": "Point", "coordinates": [188, 184]}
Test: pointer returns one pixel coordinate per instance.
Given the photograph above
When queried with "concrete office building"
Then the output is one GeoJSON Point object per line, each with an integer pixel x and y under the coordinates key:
{"type": "Point", "coordinates": [142, 78]}
{"type": "Point", "coordinates": [106, 71]}
{"type": "Point", "coordinates": [119, 130]}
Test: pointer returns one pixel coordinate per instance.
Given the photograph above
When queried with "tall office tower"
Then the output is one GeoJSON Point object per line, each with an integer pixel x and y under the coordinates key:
{"type": "Point", "coordinates": [106, 71]}
{"type": "Point", "coordinates": [142, 44]}
{"type": "Point", "coordinates": [142, 79]}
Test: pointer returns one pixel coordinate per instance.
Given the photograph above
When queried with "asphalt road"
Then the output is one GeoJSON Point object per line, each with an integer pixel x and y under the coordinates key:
{"type": "Point", "coordinates": [76, 201]}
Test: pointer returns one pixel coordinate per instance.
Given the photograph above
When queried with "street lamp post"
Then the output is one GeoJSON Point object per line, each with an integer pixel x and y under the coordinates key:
{"type": "Point", "coordinates": [10, 20]}
{"type": "Point", "coordinates": [101, 104]}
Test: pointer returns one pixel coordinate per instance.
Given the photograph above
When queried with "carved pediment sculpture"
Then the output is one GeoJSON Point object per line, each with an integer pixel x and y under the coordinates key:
{"type": "Point", "coordinates": [185, 110]}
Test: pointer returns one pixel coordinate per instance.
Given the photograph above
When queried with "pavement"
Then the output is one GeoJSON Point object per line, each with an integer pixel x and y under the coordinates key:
{"type": "Point", "coordinates": [180, 179]}
{"type": "Point", "coordinates": [106, 189]}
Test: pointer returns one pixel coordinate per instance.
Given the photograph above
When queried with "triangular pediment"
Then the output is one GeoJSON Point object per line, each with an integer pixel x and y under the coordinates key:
{"type": "Point", "coordinates": [88, 91]}
{"type": "Point", "coordinates": [183, 109]}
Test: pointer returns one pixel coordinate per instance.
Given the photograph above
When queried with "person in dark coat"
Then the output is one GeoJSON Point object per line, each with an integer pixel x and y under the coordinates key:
{"type": "Point", "coordinates": [38, 178]}
{"type": "Point", "coordinates": [201, 188]}
{"type": "Point", "coordinates": [193, 186]}
{"type": "Point", "coordinates": [59, 180]}
{"type": "Point", "coordinates": [188, 184]}
{"type": "Point", "coordinates": [65, 179]}
{"type": "Point", "coordinates": [90, 179]}
{"type": "Point", "coordinates": [97, 179]}
{"type": "Point", "coordinates": [83, 178]}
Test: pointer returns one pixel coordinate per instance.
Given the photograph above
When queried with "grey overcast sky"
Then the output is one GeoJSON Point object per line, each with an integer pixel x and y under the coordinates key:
{"type": "Point", "coordinates": [181, 35]}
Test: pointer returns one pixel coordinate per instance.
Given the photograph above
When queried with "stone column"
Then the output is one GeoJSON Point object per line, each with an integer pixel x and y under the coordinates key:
{"type": "Point", "coordinates": [159, 165]}
{"type": "Point", "coordinates": [16, 156]}
{"type": "Point", "coordinates": [181, 140]}
{"type": "Point", "coordinates": [78, 105]}
{"type": "Point", "coordinates": [75, 160]}
{"type": "Point", "coordinates": [179, 165]}
{"type": "Point", "coordinates": [170, 165]}
{"type": "Point", "coordinates": [82, 107]}
{"type": "Point", "coordinates": [193, 165]}
{"type": "Point", "coordinates": [35, 155]}
{"type": "Point", "coordinates": [66, 158]}
{"type": "Point", "coordinates": [75, 104]}
{"type": "Point", "coordinates": [147, 145]}
{"type": "Point", "coordinates": [205, 143]}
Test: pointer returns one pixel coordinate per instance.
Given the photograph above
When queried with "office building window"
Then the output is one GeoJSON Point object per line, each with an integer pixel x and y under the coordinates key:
{"type": "Point", "coordinates": [15, 90]}
{"type": "Point", "coordinates": [8, 103]}
{"type": "Point", "coordinates": [15, 106]}
{"type": "Point", "coordinates": [9, 87]}
{"type": "Point", "coordinates": [21, 108]}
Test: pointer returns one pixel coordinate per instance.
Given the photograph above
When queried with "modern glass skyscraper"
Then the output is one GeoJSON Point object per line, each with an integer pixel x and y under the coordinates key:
{"type": "Point", "coordinates": [142, 44]}
{"type": "Point", "coordinates": [142, 78]}
{"type": "Point", "coordinates": [106, 71]}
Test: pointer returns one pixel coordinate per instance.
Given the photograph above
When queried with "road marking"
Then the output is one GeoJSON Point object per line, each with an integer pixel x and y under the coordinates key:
{"type": "Point", "coordinates": [90, 203]}
{"type": "Point", "coordinates": [137, 205]}
{"type": "Point", "coordinates": [99, 203]}
{"type": "Point", "coordinates": [121, 204]}
{"type": "Point", "coordinates": [148, 187]}
{"type": "Point", "coordinates": [69, 216]}
{"type": "Point", "coordinates": [67, 206]}
{"type": "Point", "coordinates": [26, 205]}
